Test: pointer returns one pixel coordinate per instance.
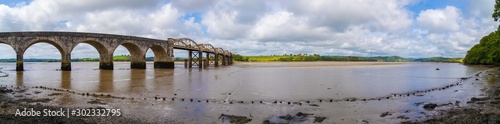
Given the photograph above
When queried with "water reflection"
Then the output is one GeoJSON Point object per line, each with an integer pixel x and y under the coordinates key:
{"type": "Point", "coordinates": [66, 79]}
{"type": "Point", "coordinates": [137, 82]}
{"type": "Point", "coordinates": [105, 83]}
{"type": "Point", "coordinates": [20, 78]}
{"type": "Point", "coordinates": [246, 82]}
{"type": "Point", "coordinates": [163, 80]}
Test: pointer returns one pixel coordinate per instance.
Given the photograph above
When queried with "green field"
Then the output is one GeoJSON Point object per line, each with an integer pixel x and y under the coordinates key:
{"type": "Point", "coordinates": [263, 58]}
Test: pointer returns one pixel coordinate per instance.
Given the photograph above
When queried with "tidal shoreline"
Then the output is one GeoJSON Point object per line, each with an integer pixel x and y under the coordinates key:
{"type": "Point", "coordinates": [479, 110]}
{"type": "Point", "coordinates": [13, 97]}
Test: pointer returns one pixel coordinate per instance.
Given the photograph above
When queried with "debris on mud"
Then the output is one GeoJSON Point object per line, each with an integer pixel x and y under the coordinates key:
{"type": "Point", "coordinates": [430, 106]}
{"type": "Point", "coordinates": [403, 117]}
{"type": "Point", "coordinates": [234, 119]}
{"type": "Point", "coordinates": [315, 105]}
{"type": "Point", "coordinates": [96, 101]}
{"type": "Point", "coordinates": [5, 90]}
{"type": "Point", "coordinates": [299, 117]}
{"type": "Point", "coordinates": [319, 119]}
{"type": "Point", "coordinates": [385, 114]}
{"type": "Point", "coordinates": [54, 94]}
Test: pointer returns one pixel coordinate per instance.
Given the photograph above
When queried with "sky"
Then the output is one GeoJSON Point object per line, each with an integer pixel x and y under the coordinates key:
{"type": "Point", "coordinates": [406, 28]}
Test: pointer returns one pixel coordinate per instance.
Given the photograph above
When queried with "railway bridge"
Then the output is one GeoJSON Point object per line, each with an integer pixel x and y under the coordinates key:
{"type": "Point", "coordinates": [106, 44]}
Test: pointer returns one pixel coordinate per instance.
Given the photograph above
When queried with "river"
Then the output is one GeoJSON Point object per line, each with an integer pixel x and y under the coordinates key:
{"type": "Point", "coordinates": [326, 85]}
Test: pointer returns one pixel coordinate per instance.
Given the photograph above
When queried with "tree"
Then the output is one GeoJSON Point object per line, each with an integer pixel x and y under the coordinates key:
{"type": "Point", "coordinates": [238, 57]}
{"type": "Point", "coordinates": [496, 12]}
{"type": "Point", "coordinates": [488, 49]}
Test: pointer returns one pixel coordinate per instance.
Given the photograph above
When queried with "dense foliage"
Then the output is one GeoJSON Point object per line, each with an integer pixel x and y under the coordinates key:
{"type": "Point", "coordinates": [496, 12]}
{"type": "Point", "coordinates": [438, 59]}
{"type": "Point", "coordinates": [314, 57]}
{"type": "Point", "coordinates": [486, 52]}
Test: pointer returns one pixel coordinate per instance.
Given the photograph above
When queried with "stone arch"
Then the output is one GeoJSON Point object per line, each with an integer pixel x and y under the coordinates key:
{"type": "Point", "coordinates": [101, 49]}
{"type": "Point", "coordinates": [51, 42]}
{"type": "Point", "coordinates": [65, 56]}
{"type": "Point", "coordinates": [160, 56]}
{"type": "Point", "coordinates": [8, 44]}
{"type": "Point", "coordinates": [137, 55]}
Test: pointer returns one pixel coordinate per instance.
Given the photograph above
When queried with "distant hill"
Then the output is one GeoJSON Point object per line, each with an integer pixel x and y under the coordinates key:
{"type": "Point", "coordinates": [438, 59]}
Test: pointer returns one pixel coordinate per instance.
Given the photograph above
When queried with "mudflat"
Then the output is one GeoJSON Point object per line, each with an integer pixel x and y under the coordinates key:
{"type": "Point", "coordinates": [316, 63]}
{"type": "Point", "coordinates": [463, 97]}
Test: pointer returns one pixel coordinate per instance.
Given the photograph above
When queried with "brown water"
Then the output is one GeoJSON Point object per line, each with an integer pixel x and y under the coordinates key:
{"type": "Point", "coordinates": [268, 82]}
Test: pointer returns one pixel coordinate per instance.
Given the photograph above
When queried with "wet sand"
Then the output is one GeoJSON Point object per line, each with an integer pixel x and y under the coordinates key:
{"type": "Point", "coordinates": [316, 64]}
{"type": "Point", "coordinates": [157, 109]}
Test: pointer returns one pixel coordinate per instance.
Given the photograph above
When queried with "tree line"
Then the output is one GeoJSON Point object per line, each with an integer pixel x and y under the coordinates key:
{"type": "Point", "coordinates": [487, 52]}
{"type": "Point", "coordinates": [314, 57]}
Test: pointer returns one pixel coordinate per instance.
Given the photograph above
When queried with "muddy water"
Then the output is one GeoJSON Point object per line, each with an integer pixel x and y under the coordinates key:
{"type": "Point", "coordinates": [316, 83]}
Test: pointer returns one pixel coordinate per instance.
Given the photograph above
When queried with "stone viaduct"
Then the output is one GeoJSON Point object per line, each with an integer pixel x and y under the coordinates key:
{"type": "Point", "coordinates": [106, 44]}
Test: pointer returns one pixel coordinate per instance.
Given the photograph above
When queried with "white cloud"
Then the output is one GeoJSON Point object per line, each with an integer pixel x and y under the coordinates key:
{"type": "Point", "coordinates": [222, 24]}
{"type": "Point", "coordinates": [193, 5]}
{"type": "Point", "coordinates": [340, 14]}
{"type": "Point", "coordinates": [446, 19]}
{"type": "Point", "coordinates": [481, 8]}
{"type": "Point", "coordinates": [129, 17]}
{"type": "Point", "coordinates": [341, 27]}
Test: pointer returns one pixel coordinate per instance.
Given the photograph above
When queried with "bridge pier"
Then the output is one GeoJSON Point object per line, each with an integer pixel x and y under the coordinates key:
{"type": "Point", "coordinates": [207, 60]}
{"type": "Point", "coordinates": [224, 60]}
{"type": "Point", "coordinates": [216, 60]}
{"type": "Point", "coordinates": [19, 62]}
{"type": "Point", "coordinates": [66, 62]}
{"type": "Point", "coordinates": [200, 59]}
{"type": "Point", "coordinates": [205, 63]}
{"type": "Point", "coordinates": [137, 62]}
{"type": "Point", "coordinates": [190, 59]}
{"type": "Point", "coordinates": [106, 65]}
{"type": "Point", "coordinates": [106, 62]}
{"type": "Point", "coordinates": [138, 65]}
{"type": "Point", "coordinates": [158, 64]}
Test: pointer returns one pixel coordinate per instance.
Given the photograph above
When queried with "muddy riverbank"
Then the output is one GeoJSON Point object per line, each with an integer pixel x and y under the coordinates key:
{"type": "Point", "coordinates": [14, 100]}
{"type": "Point", "coordinates": [248, 92]}
{"type": "Point", "coordinates": [479, 110]}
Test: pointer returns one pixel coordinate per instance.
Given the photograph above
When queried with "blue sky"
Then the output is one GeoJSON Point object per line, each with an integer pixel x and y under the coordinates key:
{"type": "Point", "coordinates": [407, 28]}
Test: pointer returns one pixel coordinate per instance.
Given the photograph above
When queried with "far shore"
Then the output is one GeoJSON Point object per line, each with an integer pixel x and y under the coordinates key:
{"type": "Point", "coordinates": [318, 63]}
